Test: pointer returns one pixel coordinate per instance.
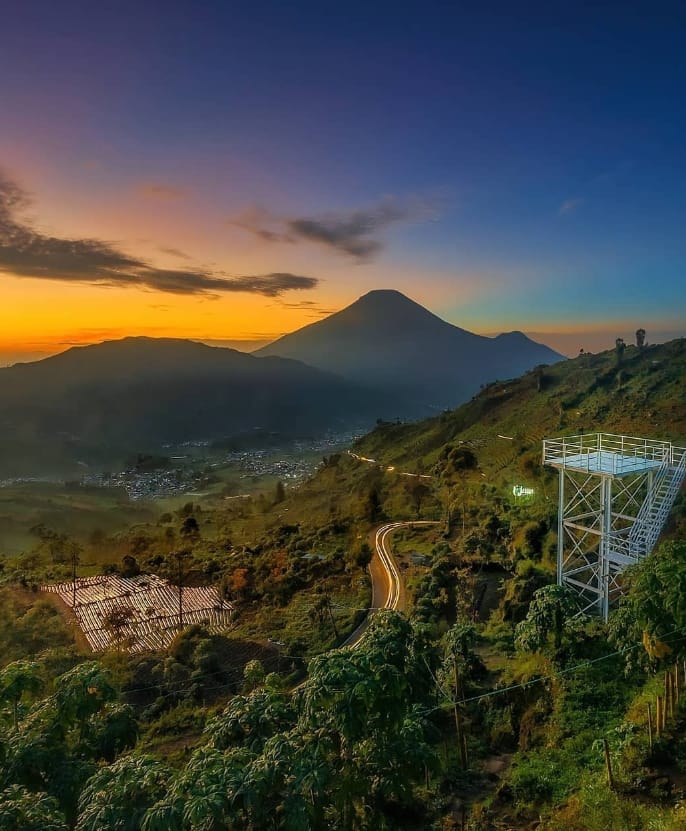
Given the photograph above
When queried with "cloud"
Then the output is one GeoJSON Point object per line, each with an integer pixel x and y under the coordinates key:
{"type": "Point", "coordinates": [156, 190]}
{"type": "Point", "coordinates": [354, 233]}
{"type": "Point", "coordinates": [569, 206]}
{"type": "Point", "coordinates": [312, 308]}
{"type": "Point", "coordinates": [26, 252]}
{"type": "Point", "coordinates": [174, 252]}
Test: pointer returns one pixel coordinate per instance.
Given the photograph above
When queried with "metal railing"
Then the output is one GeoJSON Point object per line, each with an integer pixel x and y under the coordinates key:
{"type": "Point", "coordinates": [607, 452]}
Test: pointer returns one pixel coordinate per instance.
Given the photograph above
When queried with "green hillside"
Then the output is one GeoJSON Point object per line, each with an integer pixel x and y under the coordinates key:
{"type": "Point", "coordinates": [488, 704]}
{"type": "Point", "coordinates": [643, 395]}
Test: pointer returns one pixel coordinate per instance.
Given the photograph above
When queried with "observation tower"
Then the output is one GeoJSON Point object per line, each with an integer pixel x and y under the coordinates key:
{"type": "Point", "coordinates": [615, 495]}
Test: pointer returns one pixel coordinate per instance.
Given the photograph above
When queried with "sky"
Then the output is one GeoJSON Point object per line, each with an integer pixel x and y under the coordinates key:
{"type": "Point", "coordinates": [229, 172]}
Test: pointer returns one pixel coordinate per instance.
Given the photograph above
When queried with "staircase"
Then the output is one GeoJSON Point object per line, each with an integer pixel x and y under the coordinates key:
{"type": "Point", "coordinates": [645, 530]}
{"type": "Point", "coordinates": [657, 505]}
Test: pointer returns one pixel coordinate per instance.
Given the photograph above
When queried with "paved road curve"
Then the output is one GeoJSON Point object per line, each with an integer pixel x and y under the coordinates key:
{"type": "Point", "coordinates": [388, 588]}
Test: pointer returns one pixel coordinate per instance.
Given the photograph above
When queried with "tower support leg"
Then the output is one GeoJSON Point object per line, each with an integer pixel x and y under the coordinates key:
{"type": "Point", "coordinates": [560, 527]}
{"type": "Point", "coordinates": [604, 549]}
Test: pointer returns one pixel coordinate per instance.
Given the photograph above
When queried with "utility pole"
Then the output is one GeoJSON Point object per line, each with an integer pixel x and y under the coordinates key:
{"type": "Point", "coordinates": [74, 556]}
{"type": "Point", "coordinates": [181, 574]}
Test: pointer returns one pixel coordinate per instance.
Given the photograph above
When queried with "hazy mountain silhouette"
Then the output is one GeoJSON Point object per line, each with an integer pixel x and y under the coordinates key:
{"type": "Point", "coordinates": [386, 340]}
{"type": "Point", "coordinates": [135, 394]}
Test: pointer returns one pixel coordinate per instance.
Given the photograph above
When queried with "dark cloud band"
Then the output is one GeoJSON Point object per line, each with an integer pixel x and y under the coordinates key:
{"type": "Point", "coordinates": [25, 252]}
{"type": "Point", "coordinates": [351, 233]}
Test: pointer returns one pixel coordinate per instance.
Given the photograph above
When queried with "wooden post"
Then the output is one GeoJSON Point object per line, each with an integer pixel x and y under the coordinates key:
{"type": "Point", "coordinates": [666, 701]}
{"type": "Point", "coordinates": [658, 716]}
{"type": "Point", "coordinates": [608, 765]}
{"type": "Point", "coordinates": [672, 694]}
{"type": "Point", "coordinates": [650, 727]}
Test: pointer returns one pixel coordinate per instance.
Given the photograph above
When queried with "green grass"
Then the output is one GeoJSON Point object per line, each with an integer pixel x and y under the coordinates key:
{"type": "Point", "coordinates": [77, 512]}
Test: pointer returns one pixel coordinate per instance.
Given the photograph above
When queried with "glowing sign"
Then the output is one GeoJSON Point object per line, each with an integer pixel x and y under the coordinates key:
{"type": "Point", "coordinates": [520, 490]}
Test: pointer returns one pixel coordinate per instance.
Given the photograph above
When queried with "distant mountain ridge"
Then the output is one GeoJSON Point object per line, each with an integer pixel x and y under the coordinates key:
{"type": "Point", "coordinates": [387, 341]}
{"type": "Point", "coordinates": [94, 402]}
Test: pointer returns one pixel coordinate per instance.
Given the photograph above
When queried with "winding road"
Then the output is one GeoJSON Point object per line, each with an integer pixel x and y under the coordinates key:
{"type": "Point", "coordinates": [388, 589]}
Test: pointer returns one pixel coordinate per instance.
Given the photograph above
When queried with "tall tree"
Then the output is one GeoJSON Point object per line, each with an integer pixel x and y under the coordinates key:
{"type": "Point", "coordinates": [23, 810]}
{"type": "Point", "coordinates": [550, 613]}
{"type": "Point", "coordinates": [118, 796]}
{"type": "Point", "coordinates": [16, 680]}
{"type": "Point", "coordinates": [640, 338]}
{"type": "Point", "coordinates": [652, 610]}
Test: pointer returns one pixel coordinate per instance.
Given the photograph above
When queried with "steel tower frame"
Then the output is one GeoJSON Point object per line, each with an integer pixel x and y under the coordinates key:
{"type": "Point", "coordinates": [615, 493]}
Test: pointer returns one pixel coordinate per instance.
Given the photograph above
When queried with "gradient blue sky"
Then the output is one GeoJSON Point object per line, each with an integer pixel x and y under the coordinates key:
{"type": "Point", "coordinates": [511, 166]}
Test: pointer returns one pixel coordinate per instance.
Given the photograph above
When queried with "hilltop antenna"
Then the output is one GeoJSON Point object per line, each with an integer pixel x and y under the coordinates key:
{"type": "Point", "coordinates": [615, 495]}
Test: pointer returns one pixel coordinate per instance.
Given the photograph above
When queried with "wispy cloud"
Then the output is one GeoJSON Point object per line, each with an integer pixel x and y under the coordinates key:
{"type": "Point", "coordinates": [310, 307]}
{"type": "Point", "coordinates": [174, 252]}
{"type": "Point", "coordinates": [27, 252]}
{"type": "Point", "coordinates": [354, 233]}
{"type": "Point", "coordinates": [570, 206]}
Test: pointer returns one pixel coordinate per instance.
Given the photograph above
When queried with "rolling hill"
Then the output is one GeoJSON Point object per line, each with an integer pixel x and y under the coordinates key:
{"type": "Point", "coordinates": [389, 342]}
{"type": "Point", "coordinates": [643, 395]}
{"type": "Point", "coordinates": [95, 403]}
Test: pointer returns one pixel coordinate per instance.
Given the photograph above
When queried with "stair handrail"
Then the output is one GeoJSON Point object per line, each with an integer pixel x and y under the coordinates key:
{"type": "Point", "coordinates": [651, 516]}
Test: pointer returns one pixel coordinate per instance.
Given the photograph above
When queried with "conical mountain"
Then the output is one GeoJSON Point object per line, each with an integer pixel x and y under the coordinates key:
{"type": "Point", "coordinates": [388, 341]}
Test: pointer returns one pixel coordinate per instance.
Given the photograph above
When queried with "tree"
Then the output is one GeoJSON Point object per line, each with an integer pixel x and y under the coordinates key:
{"type": "Point", "coordinates": [212, 793]}
{"type": "Point", "coordinates": [653, 607]}
{"type": "Point", "coordinates": [373, 505]}
{"type": "Point", "coordinates": [235, 585]}
{"type": "Point", "coordinates": [361, 702]}
{"type": "Point", "coordinates": [16, 680]}
{"type": "Point", "coordinates": [249, 720]}
{"type": "Point", "coordinates": [116, 621]}
{"type": "Point", "coordinates": [57, 745]}
{"type": "Point", "coordinates": [130, 567]}
{"type": "Point", "coordinates": [81, 693]}
{"type": "Point", "coordinates": [452, 471]}
{"type": "Point", "coordinates": [363, 555]}
{"type": "Point", "coordinates": [417, 491]}
{"type": "Point", "coordinates": [620, 346]}
{"type": "Point", "coordinates": [459, 664]}
{"type": "Point", "coordinates": [279, 492]}
{"type": "Point", "coordinates": [550, 612]}
{"type": "Point", "coordinates": [640, 338]}
{"type": "Point", "coordinates": [254, 675]}
{"type": "Point", "coordinates": [190, 528]}
{"type": "Point", "coordinates": [322, 606]}
{"type": "Point", "coordinates": [23, 810]}
{"type": "Point", "coordinates": [118, 796]}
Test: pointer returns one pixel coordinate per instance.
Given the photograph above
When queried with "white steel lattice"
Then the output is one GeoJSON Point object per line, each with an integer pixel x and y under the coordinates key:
{"type": "Point", "coordinates": [615, 495]}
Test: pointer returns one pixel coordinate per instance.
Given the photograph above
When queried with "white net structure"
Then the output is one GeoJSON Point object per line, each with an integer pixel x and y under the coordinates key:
{"type": "Point", "coordinates": [139, 613]}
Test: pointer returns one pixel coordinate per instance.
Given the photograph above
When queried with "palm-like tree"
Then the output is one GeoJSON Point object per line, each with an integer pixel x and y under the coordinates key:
{"type": "Point", "coordinates": [549, 611]}
{"type": "Point", "coordinates": [248, 721]}
{"type": "Point", "coordinates": [118, 796]}
{"type": "Point", "coordinates": [17, 680]}
{"type": "Point", "coordinates": [23, 810]}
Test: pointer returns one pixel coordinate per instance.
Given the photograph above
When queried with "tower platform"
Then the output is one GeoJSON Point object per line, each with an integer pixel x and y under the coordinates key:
{"type": "Point", "coordinates": [606, 454]}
